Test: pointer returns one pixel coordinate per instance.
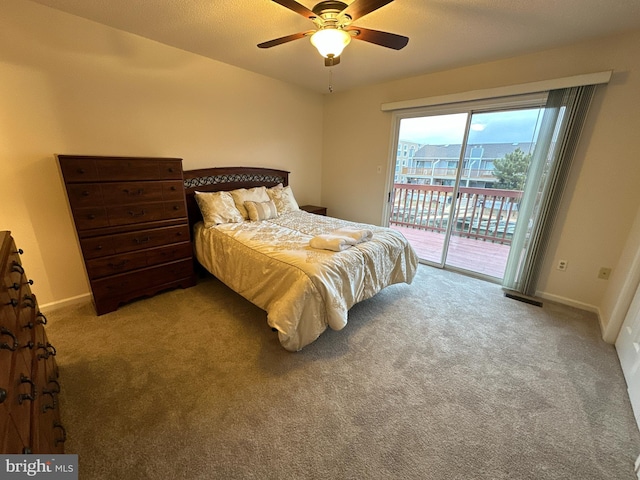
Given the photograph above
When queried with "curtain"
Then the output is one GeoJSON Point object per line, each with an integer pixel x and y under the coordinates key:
{"type": "Point", "coordinates": [562, 122]}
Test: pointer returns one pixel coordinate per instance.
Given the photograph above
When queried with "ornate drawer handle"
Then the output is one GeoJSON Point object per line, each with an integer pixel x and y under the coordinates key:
{"type": "Point", "coordinates": [141, 240]}
{"type": "Point", "coordinates": [64, 434]}
{"type": "Point", "coordinates": [6, 346]}
{"type": "Point", "coordinates": [13, 302]}
{"type": "Point", "coordinates": [27, 396]}
{"type": "Point", "coordinates": [56, 390]}
{"type": "Point", "coordinates": [28, 345]}
{"type": "Point", "coordinates": [29, 301]}
{"type": "Point", "coordinates": [136, 214]}
{"type": "Point", "coordinates": [16, 286]}
{"type": "Point", "coordinates": [16, 267]}
{"type": "Point", "coordinates": [49, 350]}
{"type": "Point", "coordinates": [42, 320]}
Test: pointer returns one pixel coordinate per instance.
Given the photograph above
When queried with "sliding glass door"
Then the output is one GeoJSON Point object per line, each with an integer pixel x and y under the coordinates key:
{"type": "Point", "coordinates": [459, 181]}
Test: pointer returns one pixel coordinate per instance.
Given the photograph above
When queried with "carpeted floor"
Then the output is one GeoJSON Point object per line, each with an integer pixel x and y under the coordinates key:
{"type": "Point", "coordinates": [443, 379]}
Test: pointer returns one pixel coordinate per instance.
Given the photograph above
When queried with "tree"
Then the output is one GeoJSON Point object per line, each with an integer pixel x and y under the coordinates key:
{"type": "Point", "coordinates": [511, 170]}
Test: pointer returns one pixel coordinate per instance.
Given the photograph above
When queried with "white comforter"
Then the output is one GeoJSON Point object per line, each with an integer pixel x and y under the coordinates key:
{"type": "Point", "coordinates": [302, 289]}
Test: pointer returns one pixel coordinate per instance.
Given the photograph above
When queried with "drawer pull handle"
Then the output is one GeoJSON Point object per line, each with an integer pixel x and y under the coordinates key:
{"type": "Point", "coordinates": [57, 385]}
{"type": "Point", "coordinates": [137, 214]}
{"type": "Point", "coordinates": [16, 286]}
{"type": "Point", "coordinates": [141, 240]}
{"type": "Point", "coordinates": [19, 251]}
{"type": "Point", "coordinates": [28, 325]}
{"type": "Point", "coordinates": [173, 189]}
{"type": "Point", "coordinates": [3, 395]}
{"type": "Point", "coordinates": [119, 265]}
{"type": "Point", "coordinates": [170, 169]}
{"type": "Point", "coordinates": [16, 267]}
{"type": "Point", "coordinates": [80, 170]}
{"type": "Point", "coordinates": [85, 193]}
{"type": "Point", "coordinates": [91, 216]}
{"type": "Point", "coordinates": [42, 320]}
{"type": "Point", "coordinates": [140, 191]}
{"type": "Point", "coordinates": [64, 434]}
{"type": "Point", "coordinates": [29, 301]}
{"type": "Point", "coordinates": [6, 346]}
{"type": "Point", "coordinates": [176, 207]}
{"type": "Point", "coordinates": [27, 396]}
{"type": "Point", "coordinates": [13, 302]}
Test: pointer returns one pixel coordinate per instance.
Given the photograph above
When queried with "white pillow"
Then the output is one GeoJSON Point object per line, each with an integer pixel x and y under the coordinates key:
{"type": "Point", "coordinates": [241, 195]}
{"type": "Point", "coordinates": [283, 198]}
{"type": "Point", "coordinates": [261, 210]}
{"type": "Point", "coordinates": [217, 208]}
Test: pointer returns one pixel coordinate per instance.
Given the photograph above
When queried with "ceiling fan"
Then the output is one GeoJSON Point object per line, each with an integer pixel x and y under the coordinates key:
{"type": "Point", "coordinates": [334, 29]}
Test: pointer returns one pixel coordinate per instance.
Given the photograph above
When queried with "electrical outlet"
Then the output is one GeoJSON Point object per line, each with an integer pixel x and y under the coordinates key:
{"type": "Point", "coordinates": [604, 273]}
{"type": "Point", "coordinates": [562, 265]}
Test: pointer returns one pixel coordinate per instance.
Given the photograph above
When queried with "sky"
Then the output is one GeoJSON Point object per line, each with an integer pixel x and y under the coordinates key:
{"type": "Point", "coordinates": [490, 127]}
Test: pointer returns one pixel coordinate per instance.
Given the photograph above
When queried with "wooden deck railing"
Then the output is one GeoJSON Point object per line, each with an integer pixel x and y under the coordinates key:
{"type": "Point", "coordinates": [482, 213]}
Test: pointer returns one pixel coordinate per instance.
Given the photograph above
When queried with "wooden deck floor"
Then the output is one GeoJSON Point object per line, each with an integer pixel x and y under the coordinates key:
{"type": "Point", "coordinates": [466, 253]}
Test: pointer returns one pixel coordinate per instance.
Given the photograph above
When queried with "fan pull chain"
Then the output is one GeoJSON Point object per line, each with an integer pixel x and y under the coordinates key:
{"type": "Point", "coordinates": [330, 79]}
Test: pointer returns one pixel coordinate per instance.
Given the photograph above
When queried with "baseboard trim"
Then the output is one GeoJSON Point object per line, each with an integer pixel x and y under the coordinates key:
{"type": "Point", "coordinates": [573, 303]}
{"type": "Point", "coordinates": [67, 302]}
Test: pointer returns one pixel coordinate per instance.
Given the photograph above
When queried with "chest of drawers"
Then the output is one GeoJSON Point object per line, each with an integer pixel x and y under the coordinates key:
{"type": "Point", "coordinates": [131, 220]}
{"type": "Point", "coordinates": [29, 387]}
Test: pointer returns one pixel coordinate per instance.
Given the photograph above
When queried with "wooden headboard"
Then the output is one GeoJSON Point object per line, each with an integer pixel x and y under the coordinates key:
{"type": "Point", "coordinates": [224, 179]}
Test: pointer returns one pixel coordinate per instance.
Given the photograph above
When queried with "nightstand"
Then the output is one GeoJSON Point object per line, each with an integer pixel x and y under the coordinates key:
{"type": "Point", "coordinates": [314, 209]}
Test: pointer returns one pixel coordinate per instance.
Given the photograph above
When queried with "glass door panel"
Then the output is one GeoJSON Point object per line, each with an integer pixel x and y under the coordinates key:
{"type": "Point", "coordinates": [426, 173]}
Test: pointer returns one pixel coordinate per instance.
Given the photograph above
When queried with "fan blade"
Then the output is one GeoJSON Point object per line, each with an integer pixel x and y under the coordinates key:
{"type": "Point", "coordinates": [384, 39]}
{"type": "Point", "coordinates": [330, 62]}
{"type": "Point", "coordinates": [360, 8]}
{"type": "Point", "coordinates": [296, 7]}
{"type": "Point", "coordinates": [281, 40]}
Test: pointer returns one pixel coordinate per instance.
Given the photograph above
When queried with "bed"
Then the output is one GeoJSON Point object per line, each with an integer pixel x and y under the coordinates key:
{"type": "Point", "coordinates": [269, 258]}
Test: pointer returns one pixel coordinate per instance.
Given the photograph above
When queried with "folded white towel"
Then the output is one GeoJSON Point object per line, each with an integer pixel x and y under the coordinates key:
{"type": "Point", "coordinates": [336, 243]}
{"type": "Point", "coordinates": [358, 234]}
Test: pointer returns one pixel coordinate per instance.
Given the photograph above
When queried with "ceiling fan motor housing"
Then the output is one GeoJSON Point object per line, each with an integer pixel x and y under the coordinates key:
{"type": "Point", "coordinates": [329, 6]}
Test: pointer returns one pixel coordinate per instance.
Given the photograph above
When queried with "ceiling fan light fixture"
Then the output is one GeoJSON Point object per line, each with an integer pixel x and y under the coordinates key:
{"type": "Point", "coordinates": [330, 41]}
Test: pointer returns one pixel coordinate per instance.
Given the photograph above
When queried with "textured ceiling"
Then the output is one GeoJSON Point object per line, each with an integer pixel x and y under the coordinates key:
{"type": "Point", "coordinates": [443, 33]}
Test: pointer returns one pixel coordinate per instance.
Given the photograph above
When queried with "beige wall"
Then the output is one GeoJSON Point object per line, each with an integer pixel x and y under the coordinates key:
{"type": "Point", "coordinates": [68, 85]}
{"type": "Point", "coordinates": [602, 199]}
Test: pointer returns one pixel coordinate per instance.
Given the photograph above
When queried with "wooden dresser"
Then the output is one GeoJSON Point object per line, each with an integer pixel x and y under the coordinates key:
{"type": "Point", "coordinates": [131, 219]}
{"type": "Point", "coordinates": [29, 388]}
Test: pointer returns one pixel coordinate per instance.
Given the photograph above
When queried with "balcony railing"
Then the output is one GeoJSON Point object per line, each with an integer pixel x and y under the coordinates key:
{"type": "Point", "coordinates": [448, 172]}
{"type": "Point", "coordinates": [482, 213]}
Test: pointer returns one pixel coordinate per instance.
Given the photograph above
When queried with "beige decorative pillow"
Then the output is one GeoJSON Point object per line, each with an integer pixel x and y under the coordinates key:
{"type": "Point", "coordinates": [283, 198]}
{"type": "Point", "coordinates": [217, 208]}
{"type": "Point", "coordinates": [241, 195]}
{"type": "Point", "coordinates": [261, 210]}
